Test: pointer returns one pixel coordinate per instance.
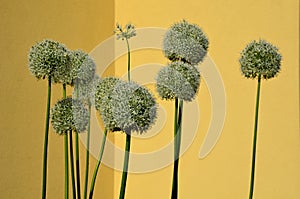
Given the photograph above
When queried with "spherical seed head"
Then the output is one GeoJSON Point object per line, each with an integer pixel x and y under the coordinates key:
{"type": "Point", "coordinates": [103, 104]}
{"type": "Point", "coordinates": [83, 66]}
{"type": "Point", "coordinates": [69, 114]}
{"type": "Point", "coordinates": [179, 80]}
{"type": "Point", "coordinates": [186, 42]}
{"type": "Point", "coordinates": [133, 107]}
{"type": "Point", "coordinates": [260, 58]}
{"type": "Point", "coordinates": [85, 91]}
{"type": "Point", "coordinates": [45, 57]}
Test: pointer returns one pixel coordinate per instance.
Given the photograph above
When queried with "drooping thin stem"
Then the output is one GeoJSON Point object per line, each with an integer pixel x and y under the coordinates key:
{"type": "Point", "coordinates": [128, 60]}
{"type": "Point", "coordinates": [87, 160]}
{"type": "Point", "coordinates": [125, 166]}
{"type": "Point", "coordinates": [177, 143]}
{"type": "Point", "coordinates": [66, 153]}
{"type": "Point", "coordinates": [98, 164]}
{"type": "Point", "coordinates": [255, 138]}
{"type": "Point", "coordinates": [45, 158]}
{"type": "Point", "coordinates": [77, 164]}
{"type": "Point", "coordinates": [72, 164]}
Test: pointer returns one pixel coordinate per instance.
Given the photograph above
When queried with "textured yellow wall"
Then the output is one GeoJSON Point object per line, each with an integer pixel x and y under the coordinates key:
{"type": "Point", "coordinates": [225, 173]}
{"type": "Point", "coordinates": [230, 25]}
{"type": "Point", "coordinates": [78, 24]}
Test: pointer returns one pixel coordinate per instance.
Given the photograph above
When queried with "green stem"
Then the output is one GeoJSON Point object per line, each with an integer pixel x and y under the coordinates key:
{"type": "Point", "coordinates": [125, 166]}
{"type": "Point", "coordinates": [177, 140]}
{"type": "Point", "coordinates": [128, 60]}
{"type": "Point", "coordinates": [87, 156]}
{"type": "Point", "coordinates": [128, 138]}
{"type": "Point", "coordinates": [77, 153]}
{"type": "Point", "coordinates": [66, 168]}
{"type": "Point", "coordinates": [72, 164]}
{"type": "Point", "coordinates": [255, 138]}
{"type": "Point", "coordinates": [77, 164]}
{"type": "Point", "coordinates": [98, 164]}
{"type": "Point", "coordinates": [44, 186]}
{"type": "Point", "coordinates": [66, 153]}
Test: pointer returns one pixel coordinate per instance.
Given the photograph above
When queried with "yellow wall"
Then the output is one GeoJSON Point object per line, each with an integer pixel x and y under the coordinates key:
{"type": "Point", "coordinates": [230, 25]}
{"type": "Point", "coordinates": [78, 24]}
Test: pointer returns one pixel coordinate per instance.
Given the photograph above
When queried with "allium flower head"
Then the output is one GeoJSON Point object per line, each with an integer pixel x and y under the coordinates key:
{"type": "Point", "coordinates": [69, 114]}
{"type": "Point", "coordinates": [260, 58]}
{"type": "Point", "coordinates": [179, 80]}
{"type": "Point", "coordinates": [85, 91]}
{"type": "Point", "coordinates": [103, 92]}
{"type": "Point", "coordinates": [186, 42]}
{"type": "Point", "coordinates": [133, 107]}
{"type": "Point", "coordinates": [83, 66]}
{"type": "Point", "coordinates": [45, 57]}
{"type": "Point", "coordinates": [125, 33]}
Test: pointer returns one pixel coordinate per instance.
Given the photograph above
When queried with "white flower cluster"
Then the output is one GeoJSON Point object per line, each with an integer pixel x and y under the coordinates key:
{"type": "Point", "coordinates": [125, 106]}
{"type": "Point", "coordinates": [178, 79]}
{"type": "Point", "coordinates": [69, 114]}
{"type": "Point", "coordinates": [260, 58]}
{"type": "Point", "coordinates": [45, 57]}
{"type": "Point", "coordinates": [125, 33]}
{"type": "Point", "coordinates": [186, 42]}
{"type": "Point", "coordinates": [50, 59]}
{"type": "Point", "coordinates": [185, 45]}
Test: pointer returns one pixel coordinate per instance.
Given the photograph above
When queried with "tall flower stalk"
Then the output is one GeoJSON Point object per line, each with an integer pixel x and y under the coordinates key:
{"type": "Point", "coordinates": [46, 139]}
{"type": "Point", "coordinates": [66, 153]}
{"type": "Point", "coordinates": [134, 110]}
{"type": "Point", "coordinates": [102, 96]}
{"type": "Point", "coordinates": [87, 160]}
{"type": "Point", "coordinates": [97, 165]}
{"type": "Point", "coordinates": [260, 60]}
{"type": "Point", "coordinates": [185, 45]}
{"type": "Point", "coordinates": [123, 106]}
{"type": "Point", "coordinates": [85, 91]}
{"type": "Point", "coordinates": [44, 59]}
{"type": "Point", "coordinates": [82, 73]}
{"type": "Point", "coordinates": [68, 115]}
{"type": "Point", "coordinates": [128, 32]}
{"type": "Point", "coordinates": [72, 164]}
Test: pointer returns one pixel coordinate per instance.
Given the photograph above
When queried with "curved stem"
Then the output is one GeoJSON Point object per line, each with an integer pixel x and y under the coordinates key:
{"type": "Point", "coordinates": [77, 164]}
{"type": "Point", "coordinates": [44, 184]}
{"type": "Point", "coordinates": [128, 60]}
{"type": "Point", "coordinates": [125, 166]}
{"type": "Point", "coordinates": [66, 153]}
{"type": "Point", "coordinates": [255, 138]}
{"type": "Point", "coordinates": [98, 164]}
{"type": "Point", "coordinates": [87, 156]}
{"type": "Point", "coordinates": [177, 143]}
{"type": "Point", "coordinates": [72, 164]}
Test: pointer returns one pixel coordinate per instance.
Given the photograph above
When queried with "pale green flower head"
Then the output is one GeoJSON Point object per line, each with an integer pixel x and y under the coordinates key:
{"type": "Point", "coordinates": [45, 57]}
{"type": "Point", "coordinates": [260, 58]}
{"type": "Point", "coordinates": [185, 42]}
{"type": "Point", "coordinates": [133, 107]}
{"type": "Point", "coordinates": [103, 105]}
{"type": "Point", "coordinates": [125, 32]}
{"type": "Point", "coordinates": [69, 114]}
{"type": "Point", "coordinates": [178, 79]}
{"type": "Point", "coordinates": [83, 66]}
{"type": "Point", "coordinates": [85, 91]}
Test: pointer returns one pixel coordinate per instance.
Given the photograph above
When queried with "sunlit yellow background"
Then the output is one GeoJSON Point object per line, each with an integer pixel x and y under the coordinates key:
{"type": "Point", "coordinates": [230, 25]}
